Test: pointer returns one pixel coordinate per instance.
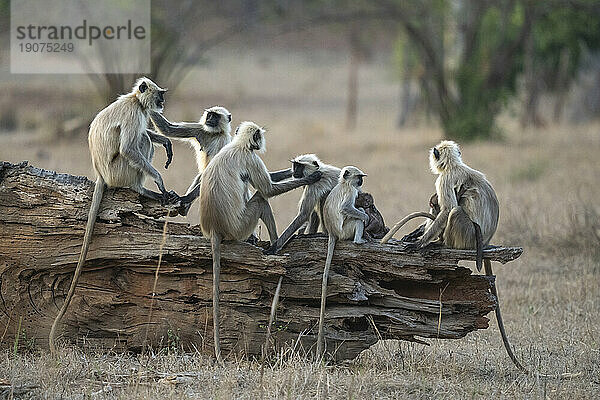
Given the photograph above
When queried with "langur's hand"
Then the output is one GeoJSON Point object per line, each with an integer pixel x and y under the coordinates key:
{"type": "Point", "coordinates": [314, 177]}
{"type": "Point", "coordinates": [365, 218]}
{"type": "Point", "coordinates": [171, 199]}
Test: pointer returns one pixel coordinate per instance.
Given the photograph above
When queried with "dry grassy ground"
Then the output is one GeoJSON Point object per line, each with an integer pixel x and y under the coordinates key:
{"type": "Point", "coordinates": [547, 183]}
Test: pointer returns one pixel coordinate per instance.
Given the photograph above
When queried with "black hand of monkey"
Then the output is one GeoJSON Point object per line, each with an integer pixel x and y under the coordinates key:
{"type": "Point", "coordinates": [170, 198]}
{"type": "Point", "coordinates": [169, 150]}
{"type": "Point", "coordinates": [414, 235]}
{"type": "Point", "coordinates": [314, 177]}
{"type": "Point", "coordinates": [252, 239]}
{"type": "Point", "coordinates": [271, 251]}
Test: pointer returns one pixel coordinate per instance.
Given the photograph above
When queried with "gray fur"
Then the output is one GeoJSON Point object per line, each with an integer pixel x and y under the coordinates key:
{"type": "Point", "coordinates": [477, 203]}
{"type": "Point", "coordinates": [313, 196]}
{"type": "Point", "coordinates": [122, 152]}
{"type": "Point", "coordinates": [343, 221]}
{"type": "Point", "coordinates": [225, 211]}
{"type": "Point", "coordinates": [207, 141]}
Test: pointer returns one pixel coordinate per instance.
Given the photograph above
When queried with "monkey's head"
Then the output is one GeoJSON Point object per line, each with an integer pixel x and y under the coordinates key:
{"type": "Point", "coordinates": [444, 155]}
{"type": "Point", "coordinates": [216, 119]}
{"type": "Point", "coordinates": [250, 136]}
{"type": "Point", "coordinates": [149, 94]}
{"type": "Point", "coordinates": [364, 200]}
{"type": "Point", "coordinates": [352, 176]}
{"type": "Point", "coordinates": [304, 165]}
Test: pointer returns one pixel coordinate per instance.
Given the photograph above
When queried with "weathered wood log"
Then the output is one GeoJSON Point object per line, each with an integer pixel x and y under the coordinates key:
{"type": "Point", "coordinates": [375, 291]}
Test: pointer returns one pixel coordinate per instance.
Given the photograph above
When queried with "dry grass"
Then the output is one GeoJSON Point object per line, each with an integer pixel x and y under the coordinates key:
{"type": "Point", "coordinates": [547, 183]}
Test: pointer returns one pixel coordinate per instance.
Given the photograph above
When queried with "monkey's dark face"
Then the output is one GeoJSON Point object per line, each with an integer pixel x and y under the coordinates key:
{"type": "Point", "coordinates": [250, 136]}
{"type": "Point", "coordinates": [216, 119]}
{"type": "Point", "coordinates": [160, 99]}
{"type": "Point", "coordinates": [353, 176]}
{"type": "Point", "coordinates": [297, 170]}
{"type": "Point", "coordinates": [257, 140]}
{"type": "Point", "coordinates": [364, 200]}
{"type": "Point", "coordinates": [150, 96]}
{"type": "Point", "coordinates": [303, 166]}
{"type": "Point", "coordinates": [213, 119]}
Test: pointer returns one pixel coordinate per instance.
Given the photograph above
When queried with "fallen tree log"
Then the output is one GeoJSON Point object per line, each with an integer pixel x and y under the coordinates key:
{"type": "Point", "coordinates": [375, 291]}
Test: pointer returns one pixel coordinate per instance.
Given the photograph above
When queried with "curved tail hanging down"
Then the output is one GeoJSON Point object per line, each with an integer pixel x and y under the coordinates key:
{"type": "Point", "coordinates": [488, 272]}
{"type": "Point", "coordinates": [478, 246]}
{"type": "Point", "coordinates": [403, 221]}
{"type": "Point", "coordinates": [330, 248]}
{"type": "Point", "coordinates": [215, 242]}
{"type": "Point", "coordinates": [93, 213]}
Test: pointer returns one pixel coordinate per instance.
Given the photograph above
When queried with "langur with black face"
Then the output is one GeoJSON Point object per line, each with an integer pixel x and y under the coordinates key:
{"type": "Point", "coordinates": [122, 151]}
{"type": "Point", "coordinates": [209, 135]}
{"type": "Point", "coordinates": [226, 213]}
{"type": "Point", "coordinates": [343, 221]}
{"type": "Point", "coordinates": [465, 205]}
{"type": "Point", "coordinates": [313, 197]}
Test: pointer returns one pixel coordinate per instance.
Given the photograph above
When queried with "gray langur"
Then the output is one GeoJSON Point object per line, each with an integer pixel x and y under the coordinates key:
{"type": "Point", "coordinates": [468, 206]}
{"type": "Point", "coordinates": [209, 135]}
{"type": "Point", "coordinates": [343, 221]}
{"type": "Point", "coordinates": [122, 151]}
{"type": "Point", "coordinates": [313, 196]}
{"type": "Point", "coordinates": [465, 214]}
{"type": "Point", "coordinates": [225, 211]}
{"type": "Point", "coordinates": [468, 221]}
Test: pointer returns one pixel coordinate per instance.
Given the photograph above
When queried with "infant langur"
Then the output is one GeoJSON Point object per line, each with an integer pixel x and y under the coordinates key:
{"type": "Point", "coordinates": [376, 228]}
{"type": "Point", "coordinates": [122, 151]}
{"type": "Point", "coordinates": [209, 135]}
{"type": "Point", "coordinates": [343, 221]}
{"type": "Point", "coordinates": [313, 196]}
{"type": "Point", "coordinates": [226, 212]}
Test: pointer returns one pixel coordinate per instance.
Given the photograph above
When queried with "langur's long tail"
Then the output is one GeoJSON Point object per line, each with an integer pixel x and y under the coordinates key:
{"type": "Point", "coordinates": [403, 221]}
{"type": "Point", "coordinates": [93, 213]}
{"type": "Point", "coordinates": [330, 248]}
{"type": "Point", "coordinates": [215, 242]}
{"type": "Point", "coordinates": [488, 272]}
{"type": "Point", "coordinates": [478, 246]}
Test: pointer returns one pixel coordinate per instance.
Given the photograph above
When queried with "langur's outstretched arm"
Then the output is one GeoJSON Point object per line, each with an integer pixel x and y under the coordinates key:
{"type": "Point", "coordinates": [261, 180]}
{"type": "Point", "coordinates": [176, 130]}
{"type": "Point", "coordinates": [278, 176]}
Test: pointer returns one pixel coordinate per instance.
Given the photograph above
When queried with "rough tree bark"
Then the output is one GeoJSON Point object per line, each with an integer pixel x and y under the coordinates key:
{"type": "Point", "coordinates": [375, 291]}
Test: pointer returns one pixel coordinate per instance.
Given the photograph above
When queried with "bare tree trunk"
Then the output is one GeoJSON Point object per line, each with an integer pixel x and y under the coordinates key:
{"type": "Point", "coordinates": [533, 85]}
{"type": "Point", "coordinates": [562, 85]}
{"type": "Point", "coordinates": [352, 104]}
{"type": "Point", "coordinates": [375, 291]}
{"type": "Point", "coordinates": [408, 99]}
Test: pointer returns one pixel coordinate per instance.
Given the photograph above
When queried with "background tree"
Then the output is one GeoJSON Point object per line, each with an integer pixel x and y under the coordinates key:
{"type": "Point", "coordinates": [180, 40]}
{"type": "Point", "coordinates": [561, 38]}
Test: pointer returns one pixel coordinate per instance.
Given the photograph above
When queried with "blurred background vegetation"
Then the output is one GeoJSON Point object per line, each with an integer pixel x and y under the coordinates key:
{"type": "Point", "coordinates": [460, 63]}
